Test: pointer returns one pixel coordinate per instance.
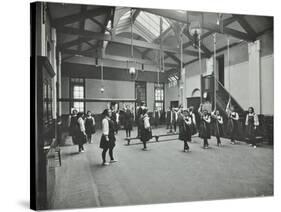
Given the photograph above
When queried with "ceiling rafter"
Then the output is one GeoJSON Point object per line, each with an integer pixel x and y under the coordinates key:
{"type": "Point", "coordinates": [75, 42]}
{"type": "Point", "coordinates": [174, 57]}
{"type": "Point", "coordinates": [112, 57]}
{"type": "Point", "coordinates": [91, 45]}
{"type": "Point", "coordinates": [246, 26]}
{"type": "Point", "coordinates": [116, 39]}
{"type": "Point", "coordinates": [77, 17]}
{"type": "Point", "coordinates": [81, 39]}
{"type": "Point", "coordinates": [99, 24]}
{"type": "Point", "coordinates": [82, 22]}
{"type": "Point", "coordinates": [67, 57]}
{"type": "Point", "coordinates": [108, 18]}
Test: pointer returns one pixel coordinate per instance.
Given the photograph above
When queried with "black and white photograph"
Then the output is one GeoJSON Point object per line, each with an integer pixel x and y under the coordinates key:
{"type": "Point", "coordinates": [137, 106]}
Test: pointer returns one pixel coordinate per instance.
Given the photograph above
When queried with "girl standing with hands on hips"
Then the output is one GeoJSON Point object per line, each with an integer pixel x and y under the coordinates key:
{"type": "Point", "coordinates": [90, 126]}
{"type": "Point", "coordinates": [252, 121]}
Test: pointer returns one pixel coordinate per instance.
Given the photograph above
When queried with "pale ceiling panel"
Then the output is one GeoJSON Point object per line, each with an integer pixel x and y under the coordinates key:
{"type": "Point", "coordinates": [92, 26]}
{"type": "Point", "coordinates": [236, 26]}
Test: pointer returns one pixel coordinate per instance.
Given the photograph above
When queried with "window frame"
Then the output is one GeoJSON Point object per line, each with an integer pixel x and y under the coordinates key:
{"type": "Point", "coordinates": [72, 84]}
{"type": "Point", "coordinates": [156, 87]}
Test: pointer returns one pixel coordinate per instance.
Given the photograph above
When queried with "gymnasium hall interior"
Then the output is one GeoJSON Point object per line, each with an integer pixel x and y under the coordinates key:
{"type": "Point", "coordinates": [92, 57]}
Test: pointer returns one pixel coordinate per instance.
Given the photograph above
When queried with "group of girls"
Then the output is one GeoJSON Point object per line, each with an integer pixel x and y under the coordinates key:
{"type": "Point", "coordinates": [81, 128]}
{"type": "Point", "coordinates": [205, 127]}
{"type": "Point", "coordinates": [214, 121]}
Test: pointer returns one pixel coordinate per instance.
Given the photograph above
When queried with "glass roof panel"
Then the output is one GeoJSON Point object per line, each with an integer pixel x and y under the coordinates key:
{"type": "Point", "coordinates": [126, 15]}
{"type": "Point", "coordinates": [152, 23]}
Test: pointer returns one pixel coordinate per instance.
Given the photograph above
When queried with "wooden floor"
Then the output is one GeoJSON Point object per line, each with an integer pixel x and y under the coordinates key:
{"type": "Point", "coordinates": [162, 174]}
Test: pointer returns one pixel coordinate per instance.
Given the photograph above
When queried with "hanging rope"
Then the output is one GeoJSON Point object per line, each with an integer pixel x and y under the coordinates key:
{"type": "Point", "coordinates": [132, 47]}
{"type": "Point", "coordinates": [102, 83]}
{"type": "Point", "coordinates": [158, 70]}
{"type": "Point", "coordinates": [101, 70]}
{"type": "Point", "coordinates": [160, 50]}
{"type": "Point", "coordinates": [215, 70]}
{"type": "Point", "coordinates": [161, 46]}
{"type": "Point", "coordinates": [200, 65]}
{"type": "Point", "coordinates": [228, 64]}
{"type": "Point", "coordinates": [181, 68]}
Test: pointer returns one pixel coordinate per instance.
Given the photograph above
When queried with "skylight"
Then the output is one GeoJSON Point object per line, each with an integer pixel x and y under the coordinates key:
{"type": "Point", "coordinates": [152, 23]}
{"type": "Point", "coordinates": [126, 15]}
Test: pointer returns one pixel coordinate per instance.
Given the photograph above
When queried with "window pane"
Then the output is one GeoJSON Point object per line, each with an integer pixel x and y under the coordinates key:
{"type": "Point", "coordinates": [78, 92]}
{"type": "Point", "coordinates": [79, 106]}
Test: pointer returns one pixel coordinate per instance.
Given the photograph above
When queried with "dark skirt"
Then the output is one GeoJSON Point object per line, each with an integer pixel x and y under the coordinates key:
{"type": "Point", "coordinates": [104, 144]}
{"type": "Point", "coordinates": [81, 139]}
{"type": "Point", "coordinates": [204, 130]}
{"type": "Point", "coordinates": [73, 130]}
{"type": "Point", "coordinates": [75, 135]}
{"type": "Point", "coordinates": [128, 125]}
{"type": "Point", "coordinates": [250, 131]}
{"type": "Point", "coordinates": [218, 129]}
{"type": "Point", "coordinates": [232, 127]}
{"type": "Point", "coordinates": [90, 130]}
{"type": "Point", "coordinates": [116, 125]}
{"type": "Point", "coordinates": [146, 135]}
{"type": "Point", "coordinates": [193, 129]}
{"type": "Point", "coordinates": [185, 133]}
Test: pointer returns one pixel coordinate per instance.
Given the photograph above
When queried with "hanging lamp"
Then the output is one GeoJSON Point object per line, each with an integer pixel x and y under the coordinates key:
{"type": "Point", "coordinates": [132, 68]}
{"type": "Point", "coordinates": [195, 29]}
{"type": "Point", "coordinates": [102, 84]}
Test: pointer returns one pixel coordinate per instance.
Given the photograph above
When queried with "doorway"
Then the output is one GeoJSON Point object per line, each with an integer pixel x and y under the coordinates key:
{"type": "Point", "coordinates": [174, 104]}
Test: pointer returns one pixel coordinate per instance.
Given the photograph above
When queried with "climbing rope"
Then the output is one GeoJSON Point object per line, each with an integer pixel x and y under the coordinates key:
{"type": "Point", "coordinates": [215, 70]}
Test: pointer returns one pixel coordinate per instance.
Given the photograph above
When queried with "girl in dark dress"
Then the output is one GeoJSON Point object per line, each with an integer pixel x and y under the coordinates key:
{"type": "Point", "coordinates": [90, 126]}
{"type": "Point", "coordinates": [73, 127]}
{"type": "Point", "coordinates": [81, 136]}
{"type": "Point", "coordinates": [204, 129]}
{"type": "Point", "coordinates": [108, 139]}
{"type": "Point", "coordinates": [217, 126]}
{"type": "Point", "coordinates": [251, 123]}
{"type": "Point", "coordinates": [232, 124]}
{"type": "Point", "coordinates": [145, 129]}
{"type": "Point", "coordinates": [185, 129]}
{"type": "Point", "coordinates": [114, 119]}
{"type": "Point", "coordinates": [128, 121]}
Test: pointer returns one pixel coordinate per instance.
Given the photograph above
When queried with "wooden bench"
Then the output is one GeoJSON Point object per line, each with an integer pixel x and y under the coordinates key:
{"type": "Point", "coordinates": [154, 136]}
{"type": "Point", "coordinates": [163, 135]}
{"type": "Point", "coordinates": [259, 139]}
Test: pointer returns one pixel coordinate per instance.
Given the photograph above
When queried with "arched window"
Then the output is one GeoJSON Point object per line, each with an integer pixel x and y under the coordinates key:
{"type": "Point", "coordinates": [195, 92]}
